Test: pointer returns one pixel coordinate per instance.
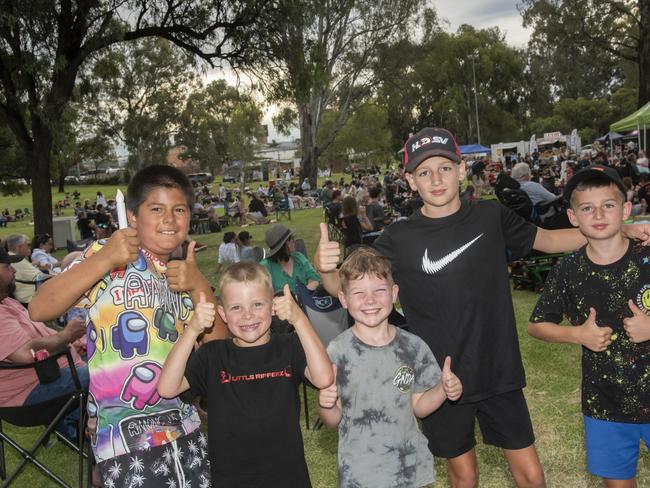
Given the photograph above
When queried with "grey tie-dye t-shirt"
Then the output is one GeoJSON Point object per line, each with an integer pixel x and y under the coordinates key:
{"type": "Point", "coordinates": [380, 444]}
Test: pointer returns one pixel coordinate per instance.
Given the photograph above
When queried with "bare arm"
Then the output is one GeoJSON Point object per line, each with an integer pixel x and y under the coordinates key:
{"type": "Point", "coordinates": [185, 275]}
{"type": "Point", "coordinates": [326, 259]}
{"type": "Point", "coordinates": [172, 380]}
{"type": "Point", "coordinates": [589, 334]}
{"type": "Point", "coordinates": [318, 370]}
{"type": "Point", "coordinates": [58, 294]}
{"type": "Point", "coordinates": [427, 402]}
{"type": "Point", "coordinates": [331, 416]}
{"type": "Point", "coordinates": [449, 387]}
{"type": "Point", "coordinates": [556, 241]}
{"type": "Point", "coordinates": [329, 404]}
{"type": "Point", "coordinates": [53, 343]}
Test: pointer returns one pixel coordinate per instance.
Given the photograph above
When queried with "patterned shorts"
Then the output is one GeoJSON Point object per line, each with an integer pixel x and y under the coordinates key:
{"type": "Point", "coordinates": [182, 463]}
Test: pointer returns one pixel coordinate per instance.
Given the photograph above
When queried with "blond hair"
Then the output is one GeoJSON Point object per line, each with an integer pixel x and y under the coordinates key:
{"type": "Point", "coordinates": [364, 261]}
{"type": "Point", "coordinates": [246, 272]}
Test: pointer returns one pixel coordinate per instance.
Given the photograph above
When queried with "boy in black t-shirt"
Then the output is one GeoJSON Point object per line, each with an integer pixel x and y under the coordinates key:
{"type": "Point", "coordinates": [449, 260]}
{"type": "Point", "coordinates": [604, 291]}
{"type": "Point", "coordinates": [250, 381]}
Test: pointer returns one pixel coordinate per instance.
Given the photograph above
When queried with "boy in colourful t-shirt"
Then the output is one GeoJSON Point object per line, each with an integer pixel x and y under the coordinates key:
{"type": "Point", "coordinates": [138, 304]}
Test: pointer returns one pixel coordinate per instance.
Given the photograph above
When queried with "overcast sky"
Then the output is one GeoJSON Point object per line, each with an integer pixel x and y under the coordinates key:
{"type": "Point", "coordinates": [485, 13]}
{"type": "Point", "coordinates": [479, 13]}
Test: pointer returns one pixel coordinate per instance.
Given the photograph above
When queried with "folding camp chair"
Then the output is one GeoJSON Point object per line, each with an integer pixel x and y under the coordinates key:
{"type": "Point", "coordinates": [327, 317]}
{"type": "Point", "coordinates": [48, 414]}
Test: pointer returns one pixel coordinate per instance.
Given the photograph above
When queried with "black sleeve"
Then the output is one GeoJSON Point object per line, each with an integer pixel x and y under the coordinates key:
{"type": "Point", "coordinates": [551, 304]}
{"type": "Point", "coordinates": [298, 359]}
{"type": "Point", "coordinates": [519, 234]}
{"type": "Point", "coordinates": [196, 371]}
{"type": "Point", "coordinates": [384, 244]}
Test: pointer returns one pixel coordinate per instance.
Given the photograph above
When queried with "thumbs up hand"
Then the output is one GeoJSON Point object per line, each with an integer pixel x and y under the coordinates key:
{"type": "Point", "coordinates": [592, 336]}
{"type": "Point", "coordinates": [327, 397]}
{"type": "Point", "coordinates": [637, 327]}
{"type": "Point", "coordinates": [204, 314]}
{"type": "Point", "coordinates": [184, 274]}
{"type": "Point", "coordinates": [328, 252]}
{"type": "Point", "coordinates": [286, 308]}
{"type": "Point", "coordinates": [451, 384]}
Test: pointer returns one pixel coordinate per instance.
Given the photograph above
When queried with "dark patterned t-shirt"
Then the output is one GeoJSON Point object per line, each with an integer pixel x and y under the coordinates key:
{"type": "Point", "coordinates": [380, 445]}
{"type": "Point", "coordinates": [615, 382]}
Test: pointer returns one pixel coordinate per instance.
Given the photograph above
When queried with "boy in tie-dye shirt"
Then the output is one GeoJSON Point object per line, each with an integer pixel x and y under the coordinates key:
{"type": "Point", "coordinates": [604, 291]}
{"type": "Point", "coordinates": [138, 305]}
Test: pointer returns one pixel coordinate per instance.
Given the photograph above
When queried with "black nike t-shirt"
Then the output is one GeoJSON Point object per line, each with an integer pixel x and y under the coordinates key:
{"type": "Point", "coordinates": [453, 279]}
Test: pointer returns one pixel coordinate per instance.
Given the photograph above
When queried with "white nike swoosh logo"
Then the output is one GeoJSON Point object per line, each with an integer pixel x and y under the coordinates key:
{"type": "Point", "coordinates": [432, 267]}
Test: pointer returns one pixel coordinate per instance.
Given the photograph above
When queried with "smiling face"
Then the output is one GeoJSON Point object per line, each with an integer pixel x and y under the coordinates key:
{"type": "Point", "coordinates": [436, 179]}
{"type": "Point", "coordinates": [247, 309]}
{"type": "Point", "coordinates": [369, 300]}
{"type": "Point", "coordinates": [162, 221]}
{"type": "Point", "coordinates": [599, 211]}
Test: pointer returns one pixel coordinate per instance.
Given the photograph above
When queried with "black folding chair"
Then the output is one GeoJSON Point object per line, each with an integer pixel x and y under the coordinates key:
{"type": "Point", "coordinates": [327, 317]}
{"type": "Point", "coordinates": [48, 414]}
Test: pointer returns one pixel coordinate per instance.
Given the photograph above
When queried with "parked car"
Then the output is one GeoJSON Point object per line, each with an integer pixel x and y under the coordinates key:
{"type": "Point", "coordinates": [200, 178]}
{"type": "Point", "coordinates": [71, 180]}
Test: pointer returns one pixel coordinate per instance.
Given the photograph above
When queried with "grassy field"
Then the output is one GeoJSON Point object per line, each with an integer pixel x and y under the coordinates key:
{"type": "Point", "coordinates": [553, 391]}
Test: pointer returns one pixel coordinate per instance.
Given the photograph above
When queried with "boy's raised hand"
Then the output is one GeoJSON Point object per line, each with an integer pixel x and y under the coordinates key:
{"type": "Point", "coordinates": [183, 274]}
{"type": "Point", "coordinates": [286, 308]}
{"type": "Point", "coordinates": [451, 384]}
{"type": "Point", "coordinates": [204, 313]}
{"type": "Point", "coordinates": [327, 397]}
{"type": "Point", "coordinates": [592, 336]}
{"type": "Point", "coordinates": [122, 247]}
{"type": "Point", "coordinates": [637, 327]}
{"type": "Point", "coordinates": [328, 252]}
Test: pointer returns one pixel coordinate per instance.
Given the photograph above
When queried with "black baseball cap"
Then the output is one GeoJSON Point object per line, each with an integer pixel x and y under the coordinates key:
{"type": "Point", "coordinates": [430, 141]}
{"type": "Point", "coordinates": [595, 172]}
{"type": "Point", "coordinates": [6, 258]}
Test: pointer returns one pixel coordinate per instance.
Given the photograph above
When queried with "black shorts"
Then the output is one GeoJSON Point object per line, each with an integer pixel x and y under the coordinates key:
{"type": "Point", "coordinates": [504, 421]}
{"type": "Point", "coordinates": [182, 462]}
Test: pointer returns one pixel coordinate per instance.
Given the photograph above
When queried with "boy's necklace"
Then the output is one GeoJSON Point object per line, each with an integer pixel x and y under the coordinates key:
{"type": "Point", "coordinates": [158, 264]}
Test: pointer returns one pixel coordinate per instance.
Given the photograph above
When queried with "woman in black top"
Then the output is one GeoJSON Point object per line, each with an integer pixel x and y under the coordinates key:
{"type": "Point", "coordinates": [353, 222]}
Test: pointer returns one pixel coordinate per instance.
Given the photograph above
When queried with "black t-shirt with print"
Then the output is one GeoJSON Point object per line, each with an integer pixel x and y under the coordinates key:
{"type": "Point", "coordinates": [254, 410]}
{"type": "Point", "coordinates": [616, 382]}
{"type": "Point", "coordinates": [453, 279]}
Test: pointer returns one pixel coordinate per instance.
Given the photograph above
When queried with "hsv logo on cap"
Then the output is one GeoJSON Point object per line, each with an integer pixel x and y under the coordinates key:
{"type": "Point", "coordinates": [427, 143]}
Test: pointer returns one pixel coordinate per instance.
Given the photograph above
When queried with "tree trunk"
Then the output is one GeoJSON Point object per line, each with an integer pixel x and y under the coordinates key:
{"type": "Point", "coordinates": [308, 162]}
{"type": "Point", "coordinates": [41, 188]}
{"type": "Point", "coordinates": [644, 53]}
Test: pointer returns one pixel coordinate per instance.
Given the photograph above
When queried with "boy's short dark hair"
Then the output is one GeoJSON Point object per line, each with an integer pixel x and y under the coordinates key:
{"type": "Point", "coordinates": [157, 176]}
{"type": "Point", "coordinates": [364, 261]}
{"type": "Point", "coordinates": [246, 272]}
{"type": "Point", "coordinates": [374, 192]}
{"type": "Point", "coordinates": [228, 237]}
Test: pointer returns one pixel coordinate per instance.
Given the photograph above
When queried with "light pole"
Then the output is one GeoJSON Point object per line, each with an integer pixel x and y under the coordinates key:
{"type": "Point", "coordinates": [473, 57]}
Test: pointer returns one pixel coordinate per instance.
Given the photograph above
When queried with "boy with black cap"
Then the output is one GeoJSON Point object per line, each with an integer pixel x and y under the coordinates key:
{"type": "Point", "coordinates": [449, 260]}
{"type": "Point", "coordinates": [603, 290]}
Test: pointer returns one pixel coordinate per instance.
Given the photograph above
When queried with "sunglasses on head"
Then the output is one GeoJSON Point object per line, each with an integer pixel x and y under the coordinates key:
{"type": "Point", "coordinates": [102, 226]}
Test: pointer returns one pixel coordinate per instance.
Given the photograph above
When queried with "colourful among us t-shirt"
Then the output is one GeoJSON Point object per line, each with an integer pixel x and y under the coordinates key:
{"type": "Point", "coordinates": [133, 321]}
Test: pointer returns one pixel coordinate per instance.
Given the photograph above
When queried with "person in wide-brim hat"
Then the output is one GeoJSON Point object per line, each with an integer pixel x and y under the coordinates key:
{"type": "Point", "coordinates": [285, 264]}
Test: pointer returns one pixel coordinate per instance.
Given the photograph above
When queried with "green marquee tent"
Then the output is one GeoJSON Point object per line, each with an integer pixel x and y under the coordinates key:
{"type": "Point", "coordinates": [639, 120]}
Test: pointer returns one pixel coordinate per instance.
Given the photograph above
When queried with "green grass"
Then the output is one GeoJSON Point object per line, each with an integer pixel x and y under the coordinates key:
{"type": "Point", "coordinates": [553, 394]}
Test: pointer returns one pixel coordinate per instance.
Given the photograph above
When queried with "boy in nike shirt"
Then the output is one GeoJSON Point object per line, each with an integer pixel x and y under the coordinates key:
{"type": "Point", "coordinates": [603, 291]}
{"type": "Point", "coordinates": [449, 260]}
